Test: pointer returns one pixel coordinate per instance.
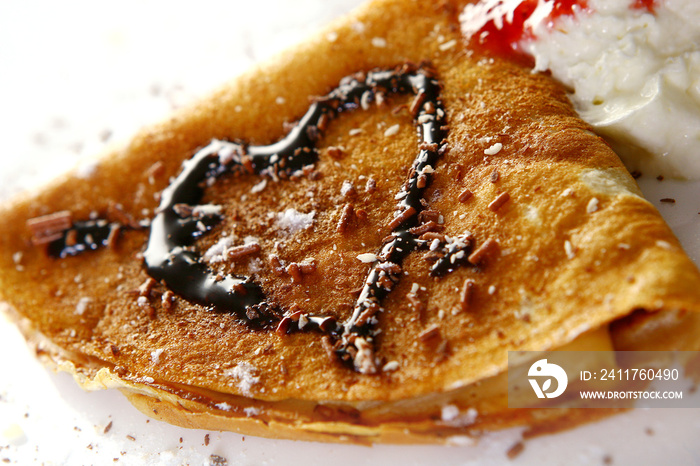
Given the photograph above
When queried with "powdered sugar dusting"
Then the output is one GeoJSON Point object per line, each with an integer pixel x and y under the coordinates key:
{"type": "Point", "coordinates": [452, 415]}
{"type": "Point", "coordinates": [216, 253]}
{"type": "Point", "coordinates": [155, 355]}
{"type": "Point", "coordinates": [244, 374]}
{"type": "Point", "coordinates": [294, 221]}
{"type": "Point", "coordinates": [251, 411]}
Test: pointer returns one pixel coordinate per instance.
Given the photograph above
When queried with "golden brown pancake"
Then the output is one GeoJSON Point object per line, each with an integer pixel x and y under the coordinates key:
{"type": "Point", "coordinates": [527, 233]}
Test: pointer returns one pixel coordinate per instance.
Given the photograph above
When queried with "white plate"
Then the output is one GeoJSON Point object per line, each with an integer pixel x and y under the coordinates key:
{"type": "Point", "coordinates": [77, 75]}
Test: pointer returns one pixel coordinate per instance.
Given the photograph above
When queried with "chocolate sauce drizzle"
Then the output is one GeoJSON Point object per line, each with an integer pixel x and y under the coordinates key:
{"type": "Point", "coordinates": [171, 257]}
{"type": "Point", "coordinates": [82, 236]}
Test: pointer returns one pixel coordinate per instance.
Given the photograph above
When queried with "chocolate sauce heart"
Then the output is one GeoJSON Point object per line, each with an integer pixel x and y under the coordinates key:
{"type": "Point", "coordinates": [172, 259]}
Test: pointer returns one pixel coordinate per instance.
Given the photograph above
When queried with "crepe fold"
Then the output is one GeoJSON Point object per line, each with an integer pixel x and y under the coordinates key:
{"type": "Point", "coordinates": [572, 247]}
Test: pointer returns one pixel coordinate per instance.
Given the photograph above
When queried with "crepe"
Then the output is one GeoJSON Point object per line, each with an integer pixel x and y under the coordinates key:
{"type": "Point", "coordinates": [550, 238]}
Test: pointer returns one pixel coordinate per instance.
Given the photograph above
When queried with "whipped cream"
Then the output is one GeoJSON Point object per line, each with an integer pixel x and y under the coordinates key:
{"type": "Point", "coordinates": [633, 72]}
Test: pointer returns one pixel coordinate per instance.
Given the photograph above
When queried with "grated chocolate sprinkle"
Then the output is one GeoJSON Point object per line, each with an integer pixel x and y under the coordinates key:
{"type": "Point", "coordinates": [417, 103]}
{"type": "Point", "coordinates": [284, 326]}
{"type": "Point", "coordinates": [429, 215]}
{"type": "Point", "coordinates": [308, 267]}
{"type": "Point", "coordinates": [335, 152]}
{"type": "Point", "coordinates": [345, 218]}
{"type": "Point", "coordinates": [216, 460]}
{"type": "Point", "coordinates": [514, 451]}
{"type": "Point", "coordinates": [487, 249]}
{"type": "Point", "coordinates": [147, 287]}
{"type": "Point", "coordinates": [402, 217]}
{"type": "Point", "coordinates": [294, 271]}
{"type": "Point", "coordinates": [71, 237]}
{"type": "Point", "coordinates": [429, 226]}
{"type": "Point", "coordinates": [168, 300]}
{"type": "Point", "coordinates": [371, 185]}
{"type": "Point", "coordinates": [499, 202]}
{"type": "Point", "coordinates": [429, 334]}
{"type": "Point", "coordinates": [277, 267]}
{"type": "Point", "coordinates": [48, 228]}
{"type": "Point", "coordinates": [432, 236]}
{"type": "Point", "coordinates": [467, 294]}
{"type": "Point", "coordinates": [465, 195]}
{"type": "Point", "coordinates": [242, 251]}
{"type": "Point", "coordinates": [114, 232]}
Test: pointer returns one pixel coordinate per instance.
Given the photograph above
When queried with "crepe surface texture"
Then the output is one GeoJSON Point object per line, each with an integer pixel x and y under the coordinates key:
{"type": "Point", "coordinates": [528, 234]}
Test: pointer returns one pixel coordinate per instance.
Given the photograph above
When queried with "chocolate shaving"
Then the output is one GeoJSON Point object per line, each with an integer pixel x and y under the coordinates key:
{"type": "Point", "coordinates": [389, 267]}
{"type": "Point", "coordinates": [168, 300]}
{"type": "Point", "coordinates": [371, 185]}
{"type": "Point", "coordinates": [432, 256]}
{"type": "Point", "coordinates": [307, 267]}
{"type": "Point", "coordinates": [385, 282]}
{"type": "Point", "coordinates": [247, 163]}
{"type": "Point", "coordinates": [284, 326]}
{"type": "Point", "coordinates": [242, 251]}
{"type": "Point", "coordinates": [429, 226]}
{"type": "Point", "coordinates": [367, 314]}
{"type": "Point", "coordinates": [335, 152]}
{"type": "Point", "coordinates": [402, 217]}
{"type": "Point", "coordinates": [48, 228]}
{"type": "Point", "coordinates": [467, 294]}
{"type": "Point", "coordinates": [112, 238]}
{"type": "Point", "coordinates": [323, 120]}
{"type": "Point", "coordinates": [416, 103]}
{"type": "Point", "coordinates": [465, 195]}
{"type": "Point", "coordinates": [515, 450]}
{"type": "Point", "coordinates": [345, 218]}
{"type": "Point", "coordinates": [147, 287]}
{"type": "Point", "coordinates": [277, 267]}
{"type": "Point", "coordinates": [71, 237]}
{"type": "Point", "coordinates": [428, 216]}
{"type": "Point", "coordinates": [485, 250]}
{"type": "Point", "coordinates": [498, 202]}
{"type": "Point", "coordinates": [294, 271]}
{"type": "Point", "coordinates": [216, 460]}
{"type": "Point", "coordinates": [429, 334]}
{"type": "Point", "coordinates": [240, 289]}
{"type": "Point", "coordinates": [431, 236]}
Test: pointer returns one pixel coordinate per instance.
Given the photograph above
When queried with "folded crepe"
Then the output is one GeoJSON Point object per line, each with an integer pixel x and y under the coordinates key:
{"type": "Point", "coordinates": [343, 245]}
